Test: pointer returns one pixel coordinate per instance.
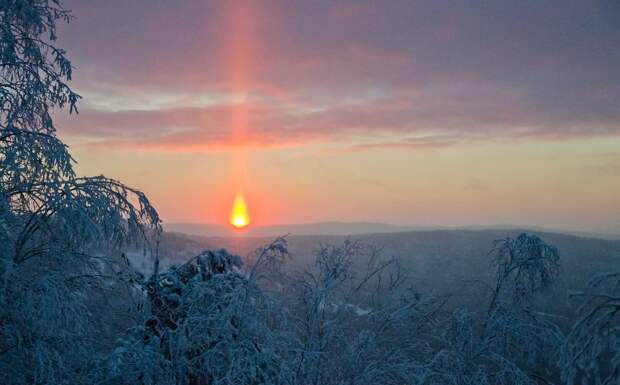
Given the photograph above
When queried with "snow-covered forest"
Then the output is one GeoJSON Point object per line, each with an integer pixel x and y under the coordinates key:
{"type": "Point", "coordinates": [75, 310]}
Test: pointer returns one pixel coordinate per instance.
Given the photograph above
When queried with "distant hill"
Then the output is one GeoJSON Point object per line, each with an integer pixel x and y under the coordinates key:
{"type": "Point", "coordinates": [346, 228]}
{"type": "Point", "coordinates": [441, 262]}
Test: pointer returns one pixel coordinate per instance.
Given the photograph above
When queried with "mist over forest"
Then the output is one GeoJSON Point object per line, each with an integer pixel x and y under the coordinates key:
{"type": "Point", "coordinates": [95, 288]}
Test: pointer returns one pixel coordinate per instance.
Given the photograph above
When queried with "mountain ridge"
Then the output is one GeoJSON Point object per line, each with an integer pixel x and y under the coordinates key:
{"type": "Point", "coordinates": [353, 228]}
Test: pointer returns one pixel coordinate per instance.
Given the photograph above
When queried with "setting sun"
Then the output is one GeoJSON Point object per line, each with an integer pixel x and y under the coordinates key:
{"type": "Point", "coordinates": [239, 216]}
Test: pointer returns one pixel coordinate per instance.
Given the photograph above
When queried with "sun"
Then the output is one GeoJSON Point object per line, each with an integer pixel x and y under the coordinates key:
{"type": "Point", "coordinates": [239, 217]}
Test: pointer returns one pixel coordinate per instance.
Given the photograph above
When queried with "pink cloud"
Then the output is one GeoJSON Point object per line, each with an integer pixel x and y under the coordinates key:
{"type": "Point", "coordinates": [350, 72]}
{"type": "Point", "coordinates": [421, 120]}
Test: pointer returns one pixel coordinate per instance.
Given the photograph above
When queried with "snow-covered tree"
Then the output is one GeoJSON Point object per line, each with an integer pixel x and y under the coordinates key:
{"type": "Point", "coordinates": [355, 321]}
{"type": "Point", "coordinates": [206, 323]}
{"type": "Point", "coordinates": [510, 343]}
{"type": "Point", "coordinates": [591, 354]}
{"type": "Point", "coordinates": [464, 356]}
{"type": "Point", "coordinates": [525, 266]}
{"type": "Point", "coordinates": [60, 234]}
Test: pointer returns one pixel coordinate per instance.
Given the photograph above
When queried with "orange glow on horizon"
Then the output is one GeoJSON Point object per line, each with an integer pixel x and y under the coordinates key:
{"type": "Point", "coordinates": [239, 216]}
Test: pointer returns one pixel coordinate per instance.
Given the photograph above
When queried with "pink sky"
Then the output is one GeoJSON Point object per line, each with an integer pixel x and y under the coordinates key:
{"type": "Point", "coordinates": [403, 112]}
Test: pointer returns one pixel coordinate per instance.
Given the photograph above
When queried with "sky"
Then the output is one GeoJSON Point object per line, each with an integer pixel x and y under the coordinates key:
{"type": "Point", "coordinates": [444, 113]}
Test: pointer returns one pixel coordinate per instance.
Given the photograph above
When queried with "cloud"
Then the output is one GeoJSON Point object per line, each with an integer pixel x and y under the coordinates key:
{"type": "Point", "coordinates": [426, 119]}
{"type": "Point", "coordinates": [399, 74]}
